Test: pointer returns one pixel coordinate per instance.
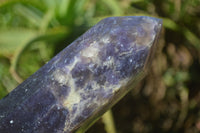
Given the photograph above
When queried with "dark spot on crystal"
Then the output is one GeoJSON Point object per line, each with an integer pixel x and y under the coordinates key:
{"type": "Point", "coordinates": [128, 65]}
{"type": "Point", "coordinates": [63, 91]}
{"type": "Point", "coordinates": [54, 121]}
{"type": "Point", "coordinates": [89, 109]}
{"type": "Point", "coordinates": [74, 109]}
{"type": "Point", "coordinates": [77, 120]}
{"type": "Point", "coordinates": [81, 73]}
{"type": "Point", "coordinates": [88, 88]}
{"type": "Point", "coordinates": [124, 67]}
{"type": "Point", "coordinates": [87, 95]}
{"type": "Point", "coordinates": [108, 50]}
{"type": "Point", "coordinates": [42, 99]}
{"type": "Point", "coordinates": [112, 77]}
{"type": "Point", "coordinates": [60, 91]}
{"type": "Point", "coordinates": [101, 80]}
{"type": "Point", "coordinates": [123, 45]}
{"type": "Point", "coordinates": [103, 94]}
{"type": "Point", "coordinates": [99, 74]}
{"type": "Point", "coordinates": [100, 70]}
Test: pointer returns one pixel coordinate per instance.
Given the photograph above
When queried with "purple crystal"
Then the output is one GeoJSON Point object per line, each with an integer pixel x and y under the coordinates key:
{"type": "Point", "coordinates": [84, 80]}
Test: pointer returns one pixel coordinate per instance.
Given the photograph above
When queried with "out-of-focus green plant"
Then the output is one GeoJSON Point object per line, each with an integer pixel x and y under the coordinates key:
{"type": "Point", "coordinates": [28, 27]}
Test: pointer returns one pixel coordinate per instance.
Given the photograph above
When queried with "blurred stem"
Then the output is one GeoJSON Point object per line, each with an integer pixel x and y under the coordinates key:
{"type": "Point", "coordinates": [46, 20]}
{"type": "Point", "coordinates": [108, 120]}
{"type": "Point", "coordinates": [15, 60]}
{"type": "Point", "coordinates": [33, 15]}
{"type": "Point", "coordinates": [184, 94]}
{"type": "Point", "coordinates": [55, 34]}
{"type": "Point", "coordinates": [177, 7]}
{"type": "Point", "coordinates": [63, 7]}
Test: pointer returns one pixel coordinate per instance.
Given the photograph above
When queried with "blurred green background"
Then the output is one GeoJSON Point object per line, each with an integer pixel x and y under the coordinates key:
{"type": "Point", "coordinates": [167, 100]}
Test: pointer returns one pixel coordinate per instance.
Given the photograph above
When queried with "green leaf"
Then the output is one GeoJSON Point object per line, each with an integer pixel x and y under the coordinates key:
{"type": "Point", "coordinates": [33, 15]}
{"type": "Point", "coordinates": [13, 39]}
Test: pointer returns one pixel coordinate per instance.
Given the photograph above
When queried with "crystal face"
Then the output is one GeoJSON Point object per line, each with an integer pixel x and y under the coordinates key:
{"type": "Point", "coordinates": [85, 79]}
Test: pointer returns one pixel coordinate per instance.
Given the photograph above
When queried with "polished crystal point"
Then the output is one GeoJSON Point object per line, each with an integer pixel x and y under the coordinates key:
{"type": "Point", "coordinates": [84, 80]}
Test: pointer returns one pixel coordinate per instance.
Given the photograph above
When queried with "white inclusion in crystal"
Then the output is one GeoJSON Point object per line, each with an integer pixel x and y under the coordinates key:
{"type": "Point", "coordinates": [91, 51]}
{"type": "Point", "coordinates": [91, 65]}
{"type": "Point", "coordinates": [109, 57]}
{"type": "Point", "coordinates": [11, 121]}
{"type": "Point", "coordinates": [136, 66]}
{"type": "Point", "coordinates": [106, 39]}
{"type": "Point", "coordinates": [60, 77]}
{"type": "Point", "coordinates": [73, 98]}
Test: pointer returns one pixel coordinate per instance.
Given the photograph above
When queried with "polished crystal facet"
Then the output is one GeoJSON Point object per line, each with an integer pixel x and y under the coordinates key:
{"type": "Point", "coordinates": [84, 80]}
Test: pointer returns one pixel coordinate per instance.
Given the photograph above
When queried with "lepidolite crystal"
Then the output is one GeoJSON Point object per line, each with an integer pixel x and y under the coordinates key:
{"type": "Point", "coordinates": [84, 80]}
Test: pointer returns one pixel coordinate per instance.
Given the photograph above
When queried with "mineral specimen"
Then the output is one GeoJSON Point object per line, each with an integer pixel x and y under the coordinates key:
{"type": "Point", "coordinates": [84, 80]}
